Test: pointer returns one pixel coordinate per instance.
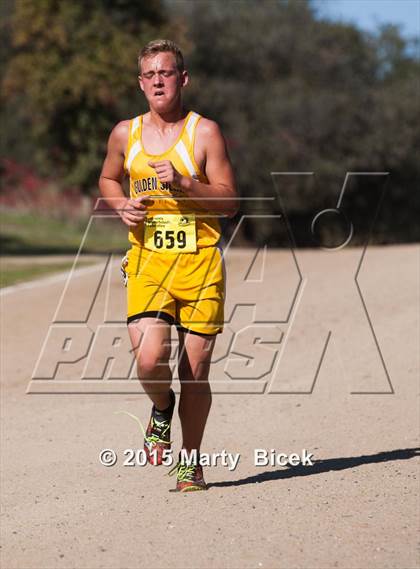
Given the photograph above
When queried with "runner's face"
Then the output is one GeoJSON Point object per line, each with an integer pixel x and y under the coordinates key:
{"type": "Point", "coordinates": [161, 81]}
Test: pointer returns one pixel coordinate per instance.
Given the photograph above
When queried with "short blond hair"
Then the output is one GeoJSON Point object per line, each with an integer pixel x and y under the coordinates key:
{"type": "Point", "coordinates": [162, 46]}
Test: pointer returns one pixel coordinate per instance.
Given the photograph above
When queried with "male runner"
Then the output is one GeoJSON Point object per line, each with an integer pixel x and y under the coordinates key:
{"type": "Point", "coordinates": [181, 182]}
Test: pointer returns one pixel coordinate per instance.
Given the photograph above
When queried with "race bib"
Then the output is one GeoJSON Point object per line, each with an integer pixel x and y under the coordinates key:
{"type": "Point", "coordinates": [171, 233]}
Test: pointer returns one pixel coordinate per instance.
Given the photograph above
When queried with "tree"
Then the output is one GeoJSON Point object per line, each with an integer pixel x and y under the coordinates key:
{"type": "Point", "coordinates": [71, 74]}
{"type": "Point", "coordinates": [291, 91]}
{"type": "Point", "coordinates": [296, 93]}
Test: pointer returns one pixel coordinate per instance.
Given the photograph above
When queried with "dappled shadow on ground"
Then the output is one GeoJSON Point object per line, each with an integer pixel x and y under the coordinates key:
{"type": "Point", "coordinates": [321, 466]}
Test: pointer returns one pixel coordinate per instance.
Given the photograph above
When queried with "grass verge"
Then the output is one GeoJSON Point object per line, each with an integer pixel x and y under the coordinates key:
{"type": "Point", "coordinates": [11, 274]}
{"type": "Point", "coordinates": [28, 233]}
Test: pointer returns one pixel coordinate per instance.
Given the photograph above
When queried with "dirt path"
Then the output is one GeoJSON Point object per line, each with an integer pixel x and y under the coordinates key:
{"type": "Point", "coordinates": [356, 507]}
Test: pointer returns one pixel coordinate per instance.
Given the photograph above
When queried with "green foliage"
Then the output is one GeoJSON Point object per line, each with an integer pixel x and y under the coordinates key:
{"type": "Point", "coordinates": [297, 94]}
{"type": "Point", "coordinates": [291, 91]}
{"type": "Point", "coordinates": [72, 68]}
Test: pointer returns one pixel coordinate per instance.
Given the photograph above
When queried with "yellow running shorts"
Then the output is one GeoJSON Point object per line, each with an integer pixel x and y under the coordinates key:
{"type": "Point", "coordinates": [185, 289]}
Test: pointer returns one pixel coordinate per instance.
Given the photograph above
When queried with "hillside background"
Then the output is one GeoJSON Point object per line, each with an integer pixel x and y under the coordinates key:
{"type": "Point", "coordinates": [292, 91]}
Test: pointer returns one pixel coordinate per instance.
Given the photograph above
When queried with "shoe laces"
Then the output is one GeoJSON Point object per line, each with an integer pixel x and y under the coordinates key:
{"type": "Point", "coordinates": [159, 430]}
{"type": "Point", "coordinates": [184, 472]}
{"type": "Point", "coordinates": [153, 437]}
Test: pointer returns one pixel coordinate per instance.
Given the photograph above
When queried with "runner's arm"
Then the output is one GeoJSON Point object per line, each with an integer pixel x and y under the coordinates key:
{"type": "Point", "coordinates": [131, 211]}
{"type": "Point", "coordinates": [218, 170]}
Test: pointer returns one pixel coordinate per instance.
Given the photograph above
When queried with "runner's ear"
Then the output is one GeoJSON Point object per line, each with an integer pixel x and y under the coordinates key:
{"type": "Point", "coordinates": [184, 78]}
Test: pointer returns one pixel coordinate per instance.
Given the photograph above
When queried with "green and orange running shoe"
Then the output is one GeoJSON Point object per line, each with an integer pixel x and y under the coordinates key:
{"type": "Point", "coordinates": [189, 477]}
{"type": "Point", "coordinates": [157, 437]}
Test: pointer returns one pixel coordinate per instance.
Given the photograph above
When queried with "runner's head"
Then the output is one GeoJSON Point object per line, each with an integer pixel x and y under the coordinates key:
{"type": "Point", "coordinates": [162, 74]}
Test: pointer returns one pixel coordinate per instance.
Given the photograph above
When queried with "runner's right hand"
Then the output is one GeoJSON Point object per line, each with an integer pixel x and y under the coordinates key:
{"type": "Point", "coordinates": [134, 211]}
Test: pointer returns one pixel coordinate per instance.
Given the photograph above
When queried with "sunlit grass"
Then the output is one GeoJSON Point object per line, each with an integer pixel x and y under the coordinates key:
{"type": "Point", "coordinates": [30, 233]}
{"type": "Point", "coordinates": [11, 273]}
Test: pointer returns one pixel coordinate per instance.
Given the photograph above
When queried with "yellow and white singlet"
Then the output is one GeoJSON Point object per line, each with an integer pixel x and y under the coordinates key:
{"type": "Point", "coordinates": [174, 268]}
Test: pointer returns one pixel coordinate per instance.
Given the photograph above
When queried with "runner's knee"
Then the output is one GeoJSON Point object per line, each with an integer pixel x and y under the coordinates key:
{"type": "Point", "coordinates": [195, 372]}
{"type": "Point", "coordinates": [152, 362]}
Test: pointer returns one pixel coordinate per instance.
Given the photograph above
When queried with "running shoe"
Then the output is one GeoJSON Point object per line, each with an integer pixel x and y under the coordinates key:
{"type": "Point", "coordinates": [157, 437]}
{"type": "Point", "coordinates": [189, 477]}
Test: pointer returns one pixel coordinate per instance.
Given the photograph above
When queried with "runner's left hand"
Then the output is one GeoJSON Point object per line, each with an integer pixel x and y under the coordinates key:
{"type": "Point", "coordinates": [166, 172]}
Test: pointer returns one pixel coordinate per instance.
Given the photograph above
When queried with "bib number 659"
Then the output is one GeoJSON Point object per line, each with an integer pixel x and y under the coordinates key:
{"type": "Point", "coordinates": [167, 239]}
